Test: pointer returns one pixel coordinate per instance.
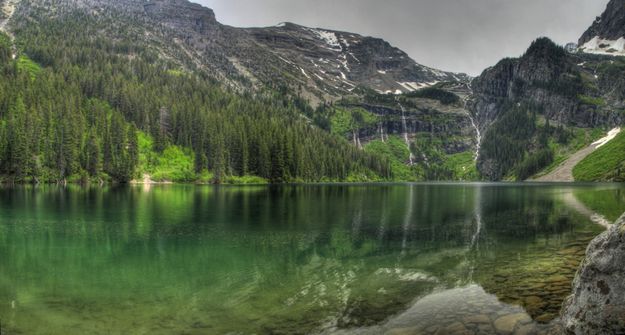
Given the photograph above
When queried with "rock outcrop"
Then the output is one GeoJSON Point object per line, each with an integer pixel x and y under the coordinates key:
{"type": "Point", "coordinates": [597, 305]}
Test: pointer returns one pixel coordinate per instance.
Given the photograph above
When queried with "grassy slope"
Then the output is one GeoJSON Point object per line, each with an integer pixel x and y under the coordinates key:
{"type": "Point", "coordinates": [463, 165]}
{"type": "Point", "coordinates": [605, 164]}
{"type": "Point", "coordinates": [396, 151]}
{"type": "Point", "coordinates": [581, 138]}
{"type": "Point", "coordinates": [342, 121]}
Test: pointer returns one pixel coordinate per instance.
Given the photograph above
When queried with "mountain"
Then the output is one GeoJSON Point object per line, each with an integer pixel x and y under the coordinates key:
{"type": "Point", "coordinates": [199, 100]}
{"type": "Point", "coordinates": [607, 34]}
{"type": "Point", "coordinates": [323, 64]}
{"type": "Point", "coordinates": [281, 104]}
{"type": "Point", "coordinates": [113, 91]}
{"type": "Point", "coordinates": [536, 110]}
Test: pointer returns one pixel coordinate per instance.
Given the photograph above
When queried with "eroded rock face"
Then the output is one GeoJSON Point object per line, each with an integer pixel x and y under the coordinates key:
{"type": "Point", "coordinates": [597, 305]}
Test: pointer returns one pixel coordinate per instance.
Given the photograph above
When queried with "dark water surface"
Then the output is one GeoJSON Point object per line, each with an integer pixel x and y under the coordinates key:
{"type": "Point", "coordinates": [361, 259]}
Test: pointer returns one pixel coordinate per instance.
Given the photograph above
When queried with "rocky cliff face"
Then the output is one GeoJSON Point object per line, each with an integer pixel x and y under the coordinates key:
{"type": "Point", "coordinates": [449, 124]}
{"type": "Point", "coordinates": [339, 61]}
{"type": "Point", "coordinates": [607, 33]}
{"type": "Point", "coordinates": [597, 305]}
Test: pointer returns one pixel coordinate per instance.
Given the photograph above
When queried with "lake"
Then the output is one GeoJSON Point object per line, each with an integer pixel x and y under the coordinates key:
{"type": "Point", "coordinates": [310, 259]}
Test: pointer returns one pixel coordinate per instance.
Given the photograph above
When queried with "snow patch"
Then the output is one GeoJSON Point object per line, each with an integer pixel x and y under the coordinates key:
{"type": "Point", "coordinates": [304, 73]}
{"type": "Point", "coordinates": [354, 57]}
{"type": "Point", "coordinates": [611, 135]}
{"type": "Point", "coordinates": [600, 46]}
{"type": "Point", "coordinates": [344, 62]}
{"type": "Point", "coordinates": [413, 86]}
{"type": "Point", "coordinates": [348, 83]}
{"type": "Point", "coordinates": [381, 72]}
{"type": "Point", "coordinates": [285, 60]}
{"type": "Point", "coordinates": [280, 25]}
{"type": "Point", "coordinates": [328, 37]}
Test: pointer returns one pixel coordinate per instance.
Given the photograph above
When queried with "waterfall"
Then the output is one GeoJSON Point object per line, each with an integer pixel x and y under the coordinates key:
{"type": "Point", "coordinates": [405, 130]}
{"type": "Point", "coordinates": [478, 133]}
{"type": "Point", "coordinates": [8, 9]}
{"type": "Point", "coordinates": [478, 137]}
{"type": "Point", "coordinates": [381, 131]}
{"type": "Point", "coordinates": [356, 139]}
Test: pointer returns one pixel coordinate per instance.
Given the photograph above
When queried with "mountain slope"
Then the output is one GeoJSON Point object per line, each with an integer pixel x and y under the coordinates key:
{"type": "Point", "coordinates": [564, 172]}
{"type": "Point", "coordinates": [319, 64]}
{"type": "Point", "coordinates": [537, 110]}
{"type": "Point", "coordinates": [607, 163]}
{"type": "Point", "coordinates": [91, 83]}
{"type": "Point", "coordinates": [527, 108]}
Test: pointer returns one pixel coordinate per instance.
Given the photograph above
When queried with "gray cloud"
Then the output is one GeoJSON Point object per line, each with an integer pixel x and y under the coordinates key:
{"type": "Point", "coordinates": [454, 35]}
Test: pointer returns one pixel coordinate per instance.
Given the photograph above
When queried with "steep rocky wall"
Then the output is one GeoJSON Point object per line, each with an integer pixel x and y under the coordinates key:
{"type": "Point", "coordinates": [597, 305]}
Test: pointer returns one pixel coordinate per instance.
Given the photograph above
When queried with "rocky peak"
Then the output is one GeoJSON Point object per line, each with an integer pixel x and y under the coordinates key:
{"type": "Point", "coordinates": [181, 14]}
{"type": "Point", "coordinates": [544, 61]}
{"type": "Point", "coordinates": [607, 33]}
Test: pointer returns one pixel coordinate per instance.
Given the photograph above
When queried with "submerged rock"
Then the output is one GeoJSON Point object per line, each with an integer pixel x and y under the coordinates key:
{"type": "Point", "coordinates": [507, 323]}
{"type": "Point", "coordinates": [597, 305]}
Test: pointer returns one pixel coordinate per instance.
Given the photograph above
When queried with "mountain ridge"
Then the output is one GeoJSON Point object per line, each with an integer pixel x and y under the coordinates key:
{"type": "Point", "coordinates": [322, 64]}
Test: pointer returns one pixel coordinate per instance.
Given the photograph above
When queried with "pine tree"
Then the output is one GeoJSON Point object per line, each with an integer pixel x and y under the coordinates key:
{"type": "Point", "coordinates": [93, 162]}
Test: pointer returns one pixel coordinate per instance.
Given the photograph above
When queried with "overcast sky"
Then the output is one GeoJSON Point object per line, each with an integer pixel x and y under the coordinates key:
{"type": "Point", "coordinates": [453, 35]}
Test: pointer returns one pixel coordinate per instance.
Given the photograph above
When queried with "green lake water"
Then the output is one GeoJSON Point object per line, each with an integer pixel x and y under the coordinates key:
{"type": "Point", "coordinates": [319, 259]}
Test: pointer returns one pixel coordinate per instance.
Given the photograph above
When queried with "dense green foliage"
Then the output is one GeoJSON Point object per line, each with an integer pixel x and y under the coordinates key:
{"type": "Point", "coordinates": [172, 164]}
{"type": "Point", "coordinates": [346, 120]}
{"type": "Point", "coordinates": [430, 161]}
{"type": "Point", "coordinates": [463, 166]}
{"type": "Point", "coordinates": [534, 163]}
{"type": "Point", "coordinates": [50, 132]}
{"type": "Point", "coordinates": [97, 84]}
{"type": "Point", "coordinates": [605, 164]}
{"type": "Point", "coordinates": [508, 139]}
{"type": "Point", "coordinates": [395, 150]}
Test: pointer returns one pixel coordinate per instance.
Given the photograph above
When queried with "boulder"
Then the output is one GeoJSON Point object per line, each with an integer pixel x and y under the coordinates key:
{"type": "Point", "coordinates": [597, 305]}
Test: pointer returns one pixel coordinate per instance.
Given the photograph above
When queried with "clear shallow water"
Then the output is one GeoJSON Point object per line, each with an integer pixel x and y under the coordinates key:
{"type": "Point", "coordinates": [362, 259]}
